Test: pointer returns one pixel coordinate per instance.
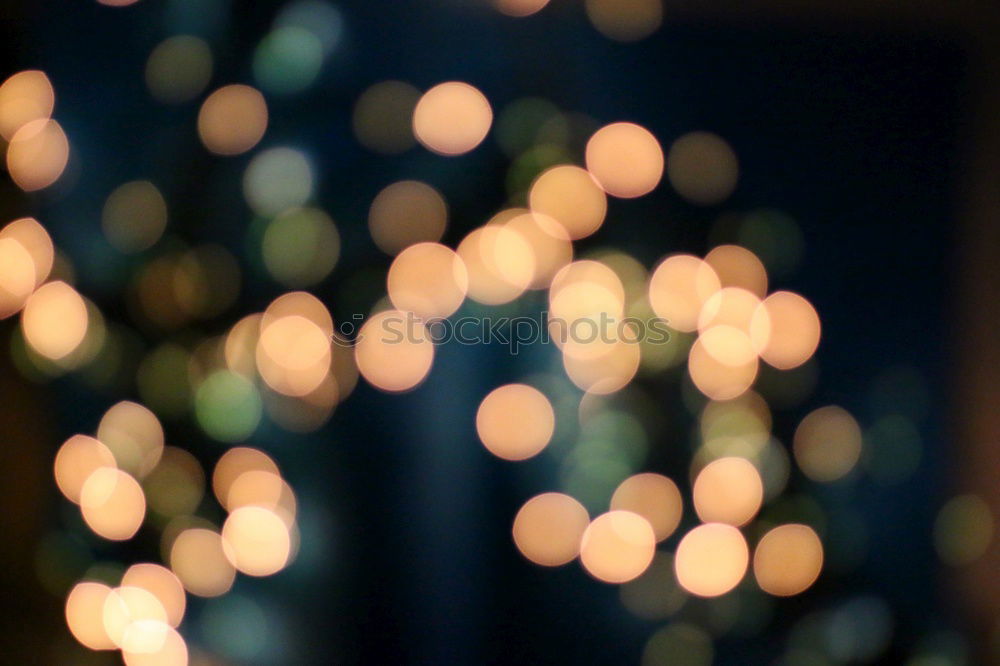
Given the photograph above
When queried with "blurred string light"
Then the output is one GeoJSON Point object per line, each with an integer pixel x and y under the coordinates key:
{"type": "Point", "coordinates": [382, 117]}
{"type": "Point", "coordinates": [232, 120]}
{"type": "Point", "coordinates": [179, 69]}
{"type": "Point", "coordinates": [625, 20]}
{"type": "Point", "coordinates": [277, 179]}
{"type": "Point", "coordinates": [727, 332]}
{"type": "Point", "coordinates": [452, 118]}
{"type": "Point", "coordinates": [515, 422]}
{"type": "Point", "coordinates": [405, 213]}
{"type": "Point", "coordinates": [134, 216]}
{"type": "Point", "coordinates": [520, 7]}
{"type": "Point", "coordinates": [24, 98]}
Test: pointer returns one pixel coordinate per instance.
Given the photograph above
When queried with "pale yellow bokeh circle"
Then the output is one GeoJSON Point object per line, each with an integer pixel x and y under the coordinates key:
{"type": "Point", "coordinates": [548, 528]}
{"type": "Point", "coordinates": [259, 540]}
{"type": "Point", "coordinates": [428, 279]}
{"type": "Point", "coordinates": [655, 498]}
{"type": "Point", "coordinates": [36, 240]}
{"type": "Point", "coordinates": [515, 421]}
{"type": "Point", "coordinates": [452, 118]}
{"type": "Point", "coordinates": [232, 120]}
{"type": "Point", "coordinates": [678, 289]}
{"type": "Point", "coordinates": [85, 615]}
{"type": "Point", "coordinates": [161, 583]}
{"type": "Point", "coordinates": [788, 560]}
{"type": "Point", "coordinates": [728, 490]}
{"type": "Point", "coordinates": [738, 267]}
{"type": "Point", "coordinates": [24, 97]}
{"type": "Point", "coordinates": [233, 464]}
{"type": "Point", "coordinates": [785, 330]}
{"type": "Point", "coordinates": [572, 197]}
{"type": "Point", "coordinates": [720, 380]}
{"type": "Point", "coordinates": [394, 351]}
{"type": "Point", "coordinates": [617, 546]}
{"type": "Point", "coordinates": [37, 154]}
{"type": "Point", "coordinates": [54, 320]}
{"type": "Point", "coordinates": [626, 159]}
{"type": "Point", "coordinates": [711, 560]}
{"type": "Point", "coordinates": [827, 444]}
{"type": "Point", "coordinates": [127, 605]}
{"type": "Point", "coordinates": [112, 503]}
{"type": "Point", "coordinates": [500, 263]}
{"type": "Point", "coordinates": [198, 558]}
{"type": "Point", "coordinates": [78, 458]}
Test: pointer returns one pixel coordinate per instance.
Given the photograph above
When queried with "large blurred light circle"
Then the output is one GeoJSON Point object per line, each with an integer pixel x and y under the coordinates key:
{"type": "Point", "coordinates": [728, 490]}
{"type": "Point", "coordinates": [78, 458]}
{"type": "Point", "coordinates": [406, 213]}
{"type": "Point", "coordinates": [134, 435]}
{"type": "Point", "coordinates": [228, 406]}
{"type": "Point", "coordinates": [233, 464]}
{"type": "Point", "coordinates": [277, 179]}
{"type": "Point", "coordinates": [738, 267]}
{"type": "Point", "coordinates": [112, 503]}
{"type": "Point", "coordinates": [394, 351]}
{"type": "Point", "coordinates": [33, 237]}
{"type": "Point", "coordinates": [24, 97]}
{"type": "Point", "coordinates": [37, 154]}
{"type": "Point", "coordinates": [288, 60]}
{"type": "Point", "coordinates": [711, 560]}
{"type": "Point", "coordinates": [199, 560]}
{"type": "Point", "coordinates": [788, 560]}
{"type": "Point", "coordinates": [702, 168]}
{"type": "Point", "coordinates": [134, 216]}
{"type": "Point", "coordinates": [515, 422]}
{"type": "Point", "coordinates": [258, 539]}
{"type": "Point", "coordinates": [827, 444]}
{"type": "Point", "coordinates": [161, 583]}
{"type": "Point", "coordinates": [85, 615]}
{"type": "Point", "coordinates": [232, 120]}
{"type": "Point", "coordinates": [127, 605]}
{"type": "Point", "coordinates": [548, 528]}
{"type": "Point", "coordinates": [179, 69]}
{"type": "Point", "coordinates": [570, 196]}
{"type": "Point", "coordinates": [679, 288]}
{"type": "Point", "coordinates": [500, 263]}
{"type": "Point", "coordinates": [655, 498]}
{"type": "Point", "coordinates": [617, 546]}
{"type": "Point", "coordinates": [293, 355]}
{"type": "Point", "coordinates": [428, 279]}
{"type": "Point", "coordinates": [721, 380]}
{"type": "Point", "coordinates": [54, 320]}
{"type": "Point", "coordinates": [382, 118]}
{"type": "Point", "coordinates": [301, 247]}
{"type": "Point", "coordinates": [626, 159]}
{"type": "Point", "coordinates": [452, 118]}
{"type": "Point", "coordinates": [785, 330]}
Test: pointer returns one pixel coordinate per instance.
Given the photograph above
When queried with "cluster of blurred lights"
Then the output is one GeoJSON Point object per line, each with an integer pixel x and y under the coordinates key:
{"type": "Point", "coordinates": [113, 476]}
{"type": "Point", "coordinates": [280, 361]}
